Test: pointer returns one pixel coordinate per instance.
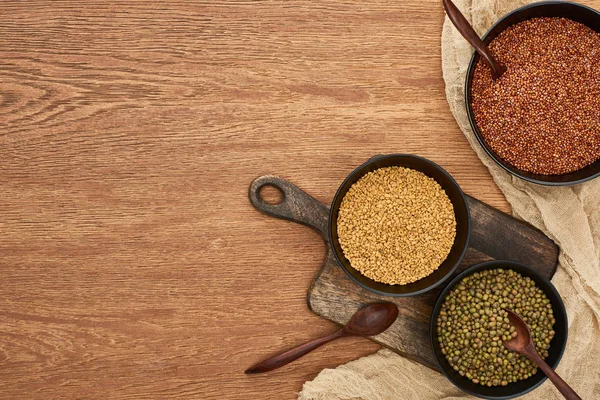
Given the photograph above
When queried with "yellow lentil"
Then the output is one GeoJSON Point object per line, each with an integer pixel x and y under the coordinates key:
{"type": "Point", "coordinates": [396, 225]}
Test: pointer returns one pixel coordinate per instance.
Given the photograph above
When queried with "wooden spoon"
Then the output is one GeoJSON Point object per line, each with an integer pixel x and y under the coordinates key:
{"type": "Point", "coordinates": [523, 344]}
{"type": "Point", "coordinates": [368, 321]}
{"type": "Point", "coordinates": [465, 29]}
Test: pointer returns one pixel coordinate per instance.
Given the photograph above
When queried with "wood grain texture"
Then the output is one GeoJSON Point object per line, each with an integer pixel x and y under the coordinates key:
{"type": "Point", "coordinates": [333, 295]}
{"type": "Point", "coordinates": [132, 264]}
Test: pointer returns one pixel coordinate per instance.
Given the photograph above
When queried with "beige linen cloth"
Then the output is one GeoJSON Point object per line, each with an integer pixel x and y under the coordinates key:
{"type": "Point", "coordinates": [568, 215]}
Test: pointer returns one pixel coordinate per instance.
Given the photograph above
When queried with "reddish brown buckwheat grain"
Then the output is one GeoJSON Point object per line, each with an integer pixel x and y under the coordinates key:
{"type": "Point", "coordinates": [543, 114]}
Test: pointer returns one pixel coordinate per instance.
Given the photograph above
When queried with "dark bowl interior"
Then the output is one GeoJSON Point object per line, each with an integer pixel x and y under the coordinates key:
{"type": "Point", "coordinates": [557, 345]}
{"type": "Point", "coordinates": [461, 211]}
{"type": "Point", "coordinates": [573, 11]}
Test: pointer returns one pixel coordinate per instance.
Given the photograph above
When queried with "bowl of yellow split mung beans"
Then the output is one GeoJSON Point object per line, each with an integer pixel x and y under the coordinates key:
{"type": "Point", "coordinates": [399, 225]}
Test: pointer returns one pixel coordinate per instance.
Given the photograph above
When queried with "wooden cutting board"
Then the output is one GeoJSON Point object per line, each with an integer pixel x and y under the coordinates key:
{"type": "Point", "coordinates": [494, 235]}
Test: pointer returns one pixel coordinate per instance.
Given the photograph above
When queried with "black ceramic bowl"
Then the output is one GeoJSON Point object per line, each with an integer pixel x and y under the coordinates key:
{"type": "Point", "coordinates": [461, 211]}
{"type": "Point", "coordinates": [576, 12]}
{"type": "Point", "coordinates": [557, 345]}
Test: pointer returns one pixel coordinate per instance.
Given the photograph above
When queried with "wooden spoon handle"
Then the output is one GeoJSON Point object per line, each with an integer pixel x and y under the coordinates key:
{"type": "Point", "coordinates": [293, 354]}
{"type": "Point", "coordinates": [465, 29]}
{"type": "Point", "coordinates": [561, 385]}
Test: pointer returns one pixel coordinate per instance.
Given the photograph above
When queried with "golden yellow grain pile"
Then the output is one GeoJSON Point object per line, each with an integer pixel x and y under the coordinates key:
{"type": "Point", "coordinates": [396, 225]}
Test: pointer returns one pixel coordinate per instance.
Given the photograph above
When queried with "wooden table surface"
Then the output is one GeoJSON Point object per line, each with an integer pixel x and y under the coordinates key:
{"type": "Point", "coordinates": [131, 263]}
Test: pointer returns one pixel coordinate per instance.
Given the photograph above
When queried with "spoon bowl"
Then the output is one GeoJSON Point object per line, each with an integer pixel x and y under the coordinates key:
{"type": "Point", "coordinates": [523, 338]}
{"type": "Point", "coordinates": [371, 320]}
{"type": "Point", "coordinates": [523, 344]}
{"type": "Point", "coordinates": [467, 31]}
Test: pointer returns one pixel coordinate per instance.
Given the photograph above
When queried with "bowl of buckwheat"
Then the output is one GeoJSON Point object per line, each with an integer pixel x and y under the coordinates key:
{"type": "Point", "coordinates": [399, 225]}
{"type": "Point", "coordinates": [540, 120]}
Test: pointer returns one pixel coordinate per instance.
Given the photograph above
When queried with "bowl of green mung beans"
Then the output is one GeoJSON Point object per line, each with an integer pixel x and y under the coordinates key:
{"type": "Point", "coordinates": [469, 324]}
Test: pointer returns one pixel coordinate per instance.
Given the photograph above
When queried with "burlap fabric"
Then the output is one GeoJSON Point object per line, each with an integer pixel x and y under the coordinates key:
{"type": "Point", "coordinates": [569, 215]}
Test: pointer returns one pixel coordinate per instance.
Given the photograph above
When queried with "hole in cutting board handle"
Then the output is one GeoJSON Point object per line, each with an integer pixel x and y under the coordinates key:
{"type": "Point", "coordinates": [271, 194]}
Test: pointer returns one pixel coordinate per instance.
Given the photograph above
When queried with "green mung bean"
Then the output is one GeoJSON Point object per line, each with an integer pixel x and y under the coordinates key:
{"type": "Point", "coordinates": [472, 325]}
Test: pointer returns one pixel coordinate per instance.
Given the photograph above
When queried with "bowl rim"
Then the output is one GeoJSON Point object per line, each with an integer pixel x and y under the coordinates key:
{"type": "Point", "coordinates": [356, 171]}
{"type": "Point", "coordinates": [473, 123]}
{"type": "Point", "coordinates": [504, 264]}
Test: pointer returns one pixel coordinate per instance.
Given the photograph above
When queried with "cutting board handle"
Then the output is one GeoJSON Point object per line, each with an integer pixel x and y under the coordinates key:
{"type": "Point", "coordinates": [296, 205]}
